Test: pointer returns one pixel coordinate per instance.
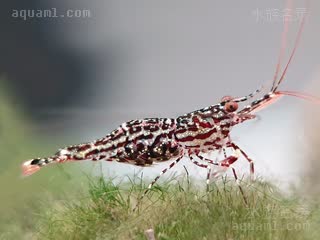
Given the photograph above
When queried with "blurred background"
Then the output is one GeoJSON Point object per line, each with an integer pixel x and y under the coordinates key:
{"type": "Point", "coordinates": [67, 80]}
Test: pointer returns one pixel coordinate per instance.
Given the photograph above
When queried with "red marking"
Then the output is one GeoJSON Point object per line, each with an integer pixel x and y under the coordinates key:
{"type": "Point", "coordinates": [181, 131]}
{"type": "Point", "coordinates": [121, 144]}
{"type": "Point", "coordinates": [140, 147]}
{"type": "Point", "coordinates": [195, 119]}
{"type": "Point", "coordinates": [225, 125]}
{"type": "Point", "coordinates": [251, 167]}
{"type": "Point", "coordinates": [228, 161]}
{"type": "Point", "coordinates": [196, 146]}
{"type": "Point", "coordinates": [85, 147]}
{"type": "Point", "coordinates": [186, 139]}
{"type": "Point", "coordinates": [225, 132]}
{"type": "Point", "coordinates": [106, 149]}
{"type": "Point", "coordinates": [117, 136]}
{"type": "Point", "coordinates": [205, 124]}
{"type": "Point", "coordinates": [192, 125]}
{"type": "Point", "coordinates": [216, 120]}
{"type": "Point", "coordinates": [94, 151]}
{"type": "Point", "coordinates": [28, 169]}
{"type": "Point", "coordinates": [106, 140]}
{"type": "Point", "coordinates": [99, 142]}
{"type": "Point", "coordinates": [171, 133]}
{"type": "Point", "coordinates": [206, 135]}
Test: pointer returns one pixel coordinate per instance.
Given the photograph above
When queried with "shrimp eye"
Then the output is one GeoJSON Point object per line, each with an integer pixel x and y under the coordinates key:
{"type": "Point", "coordinates": [226, 98]}
{"type": "Point", "coordinates": [231, 106]}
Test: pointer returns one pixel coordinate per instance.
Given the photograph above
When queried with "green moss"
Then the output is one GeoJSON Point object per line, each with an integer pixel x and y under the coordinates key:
{"type": "Point", "coordinates": [177, 212]}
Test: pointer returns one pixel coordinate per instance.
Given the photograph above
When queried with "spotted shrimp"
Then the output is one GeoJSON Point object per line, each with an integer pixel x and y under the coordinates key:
{"type": "Point", "coordinates": [146, 141]}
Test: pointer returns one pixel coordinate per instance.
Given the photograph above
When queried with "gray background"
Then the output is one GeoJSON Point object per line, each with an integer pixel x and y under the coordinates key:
{"type": "Point", "coordinates": [163, 58]}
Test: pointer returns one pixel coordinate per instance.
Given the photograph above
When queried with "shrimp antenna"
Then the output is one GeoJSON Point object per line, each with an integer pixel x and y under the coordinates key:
{"type": "Point", "coordinates": [276, 84]}
{"type": "Point", "coordinates": [304, 96]}
{"type": "Point", "coordinates": [283, 45]}
{"type": "Point", "coordinates": [282, 51]}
